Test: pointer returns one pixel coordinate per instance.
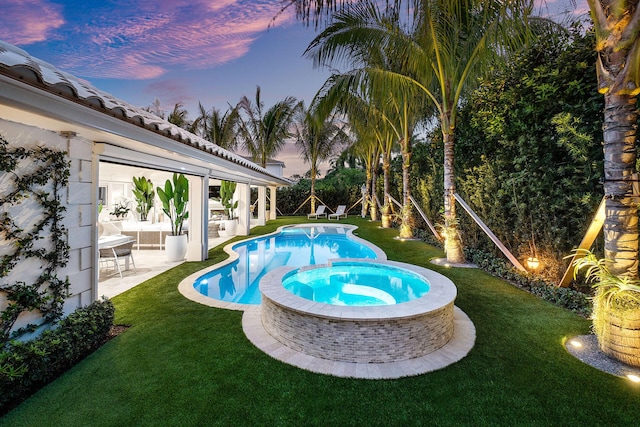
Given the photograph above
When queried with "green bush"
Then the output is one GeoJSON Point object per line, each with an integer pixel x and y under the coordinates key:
{"type": "Point", "coordinates": [340, 187]}
{"type": "Point", "coordinates": [528, 153]}
{"type": "Point", "coordinates": [568, 298]}
{"type": "Point", "coordinates": [26, 366]}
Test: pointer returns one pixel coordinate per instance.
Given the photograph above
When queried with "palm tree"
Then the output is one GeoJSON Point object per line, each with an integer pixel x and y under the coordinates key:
{"type": "Point", "coordinates": [217, 127]}
{"type": "Point", "coordinates": [440, 50]}
{"type": "Point", "coordinates": [363, 94]}
{"type": "Point", "coordinates": [179, 116]}
{"type": "Point", "coordinates": [317, 140]}
{"type": "Point", "coordinates": [264, 133]}
{"type": "Point", "coordinates": [617, 25]}
{"type": "Point", "coordinates": [367, 147]}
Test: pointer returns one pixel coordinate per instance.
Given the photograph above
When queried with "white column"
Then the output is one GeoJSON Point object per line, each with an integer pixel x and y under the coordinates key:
{"type": "Point", "coordinates": [243, 195]}
{"type": "Point", "coordinates": [197, 244]}
{"type": "Point", "coordinates": [272, 207]}
{"type": "Point", "coordinates": [262, 205]}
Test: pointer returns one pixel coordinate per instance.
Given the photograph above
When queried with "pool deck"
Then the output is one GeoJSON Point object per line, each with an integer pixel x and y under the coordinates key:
{"type": "Point", "coordinates": [457, 348]}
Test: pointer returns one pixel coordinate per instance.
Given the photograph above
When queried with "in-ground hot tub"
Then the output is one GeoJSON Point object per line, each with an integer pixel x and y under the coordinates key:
{"type": "Point", "coordinates": [378, 329]}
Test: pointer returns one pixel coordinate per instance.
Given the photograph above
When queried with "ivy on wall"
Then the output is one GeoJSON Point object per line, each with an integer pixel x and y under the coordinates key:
{"type": "Point", "coordinates": [41, 182]}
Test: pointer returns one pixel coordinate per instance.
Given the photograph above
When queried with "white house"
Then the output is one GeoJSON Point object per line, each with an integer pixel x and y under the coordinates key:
{"type": "Point", "coordinates": [41, 105]}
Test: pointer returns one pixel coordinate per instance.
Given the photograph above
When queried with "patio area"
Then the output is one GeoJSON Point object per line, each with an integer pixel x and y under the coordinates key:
{"type": "Point", "coordinates": [149, 263]}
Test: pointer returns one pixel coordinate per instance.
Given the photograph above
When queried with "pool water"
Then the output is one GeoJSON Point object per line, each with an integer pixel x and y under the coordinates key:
{"type": "Point", "coordinates": [356, 284]}
{"type": "Point", "coordinates": [293, 246]}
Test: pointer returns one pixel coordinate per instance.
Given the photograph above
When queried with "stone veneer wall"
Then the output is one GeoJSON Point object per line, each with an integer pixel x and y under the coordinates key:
{"type": "Point", "coordinates": [359, 340]}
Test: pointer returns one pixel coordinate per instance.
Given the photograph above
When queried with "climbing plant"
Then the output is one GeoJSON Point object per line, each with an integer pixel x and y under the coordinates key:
{"type": "Point", "coordinates": [33, 178]}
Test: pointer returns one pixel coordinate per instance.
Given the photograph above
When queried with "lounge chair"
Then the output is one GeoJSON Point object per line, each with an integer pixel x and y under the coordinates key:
{"type": "Point", "coordinates": [340, 213]}
{"type": "Point", "coordinates": [319, 213]}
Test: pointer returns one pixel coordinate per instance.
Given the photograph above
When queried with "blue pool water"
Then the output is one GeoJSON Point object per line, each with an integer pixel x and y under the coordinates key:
{"type": "Point", "coordinates": [356, 284]}
{"type": "Point", "coordinates": [293, 246]}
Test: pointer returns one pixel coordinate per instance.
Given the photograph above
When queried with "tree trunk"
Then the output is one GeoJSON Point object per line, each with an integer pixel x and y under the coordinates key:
{"type": "Point", "coordinates": [386, 209]}
{"type": "Point", "coordinates": [374, 181]}
{"type": "Point", "coordinates": [406, 229]}
{"type": "Point", "coordinates": [621, 222]}
{"type": "Point", "coordinates": [313, 190]}
{"type": "Point", "coordinates": [453, 243]}
{"type": "Point", "coordinates": [366, 192]}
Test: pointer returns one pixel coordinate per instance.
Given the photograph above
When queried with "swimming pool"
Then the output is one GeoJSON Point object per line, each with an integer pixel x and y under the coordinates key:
{"type": "Point", "coordinates": [293, 246]}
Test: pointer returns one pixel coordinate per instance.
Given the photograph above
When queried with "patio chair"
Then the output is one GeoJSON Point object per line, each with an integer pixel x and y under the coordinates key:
{"type": "Point", "coordinates": [320, 212]}
{"type": "Point", "coordinates": [340, 213]}
{"type": "Point", "coordinates": [116, 253]}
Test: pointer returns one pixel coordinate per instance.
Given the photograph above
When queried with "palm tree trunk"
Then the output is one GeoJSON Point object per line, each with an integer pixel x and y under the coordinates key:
{"type": "Point", "coordinates": [374, 183]}
{"type": "Point", "coordinates": [453, 243]}
{"type": "Point", "coordinates": [313, 190]}
{"type": "Point", "coordinates": [386, 170]}
{"type": "Point", "coordinates": [406, 229]}
{"type": "Point", "coordinates": [367, 191]}
{"type": "Point", "coordinates": [621, 222]}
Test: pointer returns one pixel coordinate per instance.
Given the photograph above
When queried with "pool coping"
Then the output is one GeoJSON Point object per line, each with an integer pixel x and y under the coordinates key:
{"type": "Point", "coordinates": [442, 292]}
{"type": "Point", "coordinates": [456, 349]}
{"type": "Point", "coordinates": [186, 288]}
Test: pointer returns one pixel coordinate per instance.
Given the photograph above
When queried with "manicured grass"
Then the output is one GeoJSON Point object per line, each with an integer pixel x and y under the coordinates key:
{"type": "Point", "coordinates": [183, 364]}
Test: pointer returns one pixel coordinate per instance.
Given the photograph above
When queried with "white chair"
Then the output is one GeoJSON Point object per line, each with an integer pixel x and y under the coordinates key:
{"type": "Point", "coordinates": [319, 213]}
{"type": "Point", "coordinates": [340, 213]}
{"type": "Point", "coordinates": [116, 253]}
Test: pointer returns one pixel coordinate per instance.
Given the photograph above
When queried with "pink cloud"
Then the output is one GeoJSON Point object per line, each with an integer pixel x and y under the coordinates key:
{"type": "Point", "coordinates": [29, 21]}
{"type": "Point", "coordinates": [145, 40]}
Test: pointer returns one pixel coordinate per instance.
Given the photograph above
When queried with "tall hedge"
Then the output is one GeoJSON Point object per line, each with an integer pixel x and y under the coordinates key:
{"type": "Point", "coordinates": [528, 152]}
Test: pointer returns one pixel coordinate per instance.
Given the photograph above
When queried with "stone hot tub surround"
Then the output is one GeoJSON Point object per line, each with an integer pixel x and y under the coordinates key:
{"type": "Point", "coordinates": [373, 334]}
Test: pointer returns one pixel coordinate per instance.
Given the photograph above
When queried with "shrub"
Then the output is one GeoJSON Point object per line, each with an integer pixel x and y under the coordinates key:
{"type": "Point", "coordinates": [571, 299]}
{"type": "Point", "coordinates": [26, 366]}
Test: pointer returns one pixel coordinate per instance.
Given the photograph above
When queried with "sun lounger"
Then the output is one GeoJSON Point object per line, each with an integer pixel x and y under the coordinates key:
{"type": "Point", "coordinates": [340, 213]}
{"type": "Point", "coordinates": [319, 213]}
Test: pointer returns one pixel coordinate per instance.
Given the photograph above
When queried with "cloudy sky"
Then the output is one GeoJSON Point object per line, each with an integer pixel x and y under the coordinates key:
{"type": "Point", "coordinates": [189, 51]}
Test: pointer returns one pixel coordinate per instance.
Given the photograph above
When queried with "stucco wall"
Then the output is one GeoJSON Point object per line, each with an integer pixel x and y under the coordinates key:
{"type": "Point", "coordinates": [78, 219]}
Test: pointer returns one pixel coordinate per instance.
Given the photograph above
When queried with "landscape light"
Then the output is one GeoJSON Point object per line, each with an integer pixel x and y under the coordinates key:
{"type": "Point", "coordinates": [533, 263]}
{"type": "Point", "coordinates": [634, 378]}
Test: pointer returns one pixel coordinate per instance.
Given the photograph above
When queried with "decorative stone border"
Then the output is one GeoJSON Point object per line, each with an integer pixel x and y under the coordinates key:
{"type": "Point", "coordinates": [373, 334]}
{"type": "Point", "coordinates": [463, 340]}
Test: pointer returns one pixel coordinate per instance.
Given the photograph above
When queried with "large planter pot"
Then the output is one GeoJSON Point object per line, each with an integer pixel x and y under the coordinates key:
{"type": "Point", "coordinates": [230, 226]}
{"type": "Point", "coordinates": [175, 247]}
{"type": "Point", "coordinates": [620, 336]}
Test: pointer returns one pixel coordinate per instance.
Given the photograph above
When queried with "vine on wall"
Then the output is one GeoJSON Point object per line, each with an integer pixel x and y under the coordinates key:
{"type": "Point", "coordinates": [44, 240]}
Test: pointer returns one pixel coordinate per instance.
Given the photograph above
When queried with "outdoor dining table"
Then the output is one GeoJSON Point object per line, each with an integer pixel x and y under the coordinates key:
{"type": "Point", "coordinates": [112, 242]}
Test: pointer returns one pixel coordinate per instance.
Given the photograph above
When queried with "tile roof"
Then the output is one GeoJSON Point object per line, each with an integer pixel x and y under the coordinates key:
{"type": "Point", "coordinates": [18, 64]}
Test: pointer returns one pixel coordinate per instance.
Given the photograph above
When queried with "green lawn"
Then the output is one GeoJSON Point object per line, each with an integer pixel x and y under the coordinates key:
{"type": "Point", "coordinates": [183, 364]}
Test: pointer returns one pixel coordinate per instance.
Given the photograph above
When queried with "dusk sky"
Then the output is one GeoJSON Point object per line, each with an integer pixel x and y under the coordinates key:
{"type": "Point", "coordinates": [208, 51]}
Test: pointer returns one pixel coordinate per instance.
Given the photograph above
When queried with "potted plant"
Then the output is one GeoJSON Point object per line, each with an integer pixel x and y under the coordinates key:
{"type": "Point", "coordinates": [144, 194]}
{"type": "Point", "coordinates": [616, 309]}
{"type": "Point", "coordinates": [174, 198]}
{"type": "Point", "coordinates": [227, 189]}
{"type": "Point", "coordinates": [120, 210]}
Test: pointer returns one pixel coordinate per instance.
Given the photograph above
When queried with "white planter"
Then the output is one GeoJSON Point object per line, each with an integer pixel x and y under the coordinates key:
{"type": "Point", "coordinates": [230, 226]}
{"type": "Point", "coordinates": [175, 247]}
